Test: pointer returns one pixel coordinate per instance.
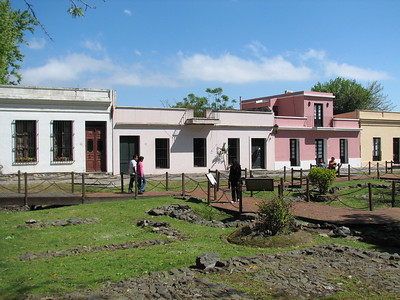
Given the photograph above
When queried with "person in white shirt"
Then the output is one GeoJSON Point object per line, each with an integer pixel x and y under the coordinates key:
{"type": "Point", "coordinates": [132, 171]}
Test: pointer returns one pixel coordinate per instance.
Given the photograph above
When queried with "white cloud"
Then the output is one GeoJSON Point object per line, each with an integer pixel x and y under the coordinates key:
{"type": "Point", "coordinates": [83, 70]}
{"type": "Point", "coordinates": [357, 73]}
{"type": "Point", "coordinates": [37, 43]}
{"type": "Point", "coordinates": [257, 48]}
{"type": "Point", "coordinates": [92, 45]}
{"type": "Point", "coordinates": [64, 70]}
{"type": "Point", "coordinates": [330, 68]}
{"type": "Point", "coordinates": [128, 12]}
{"type": "Point", "coordinates": [313, 54]}
{"type": "Point", "coordinates": [232, 69]}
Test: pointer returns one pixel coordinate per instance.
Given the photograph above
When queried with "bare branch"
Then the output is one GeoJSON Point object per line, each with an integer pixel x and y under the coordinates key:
{"type": "Point", "coordinates": [30, 8]}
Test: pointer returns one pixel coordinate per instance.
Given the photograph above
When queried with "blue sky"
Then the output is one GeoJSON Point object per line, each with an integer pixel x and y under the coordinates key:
{"type": "Point", "coordinates": [155, 52]}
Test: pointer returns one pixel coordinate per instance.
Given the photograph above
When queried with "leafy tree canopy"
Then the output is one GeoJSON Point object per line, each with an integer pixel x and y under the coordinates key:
{"type": "Point", "coordinates": [13, 25]}
{"type": "Point", "coordinates": [351, 95]}
{"type": "Point", "coordinates": [215, 100]}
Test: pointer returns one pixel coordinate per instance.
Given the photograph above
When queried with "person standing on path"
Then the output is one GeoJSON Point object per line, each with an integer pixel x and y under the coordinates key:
{"type": "Point", "coordinates": [132, 172]}
{"type": "Point", "coordinates": [235, 180]}
{"type": "Point", "coordinates": [141, 177]}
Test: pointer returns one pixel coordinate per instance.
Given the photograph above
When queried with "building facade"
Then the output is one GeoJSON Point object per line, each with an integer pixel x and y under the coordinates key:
{"type": "Point", "coordinates": [173, 140]}
{"type": "Point", "coordinates": [55, 129]}
{"type": "Point", "coordinates": [306, 130]}
{"type": "Point", "coordinates": [380, 135]}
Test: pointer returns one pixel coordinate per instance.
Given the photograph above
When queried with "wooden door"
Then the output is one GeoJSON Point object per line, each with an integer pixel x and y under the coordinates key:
{"type": "Point", "coordinates": [95, 147]}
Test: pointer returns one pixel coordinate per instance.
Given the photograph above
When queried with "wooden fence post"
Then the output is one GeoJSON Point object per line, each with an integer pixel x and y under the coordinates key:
{"type": "Point", "coordinates": [307, 189]}
{"type": "Point", "coordinates": [122, 182]}
{"type": "Point", "coordinates": [386, 166]}
{"type": "Point", "coordinates": [369, 168]}
{"type": "Point", "coordinates": [292, 177]}
{"type": "Point", "coordinates": [166, 181]}
{"type": "Point", "coordinates": [83, 188]}
{"type": "Point", "coordinates": [284, 173]}
{"type": "Point", "coordinates": [377, 171]}
{"type": "Point", "coordinates": [370, 196]}
{"type": "Point", "coordinates": [208, 192]}
{"type": "Point", "coordinates": [393, 193]}
{"type": "Point", "coordinates": [183, 184]}
{"type": "Point", "coordinates": [135, 183]}
{"type": "Point", "coordinates": [348, 172]}
{"type": "Point", "coordinates": [281, 188]}
{"type": "Point", "coordinates": [19, 181]}
{"type": "Point", "coordinates": [218, 175]}
{"type": "Point", "coordinates": [72, 182]}
{"type": "Point", "coordinates": [301, 177]}
{"type": "Point", "coordinates": [26, 188]}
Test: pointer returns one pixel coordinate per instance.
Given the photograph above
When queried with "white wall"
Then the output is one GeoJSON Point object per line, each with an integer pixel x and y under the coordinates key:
{"type": "Point", "coordinates": [150, 123]}
{"type": "Point", "coordinates": [45, 105]}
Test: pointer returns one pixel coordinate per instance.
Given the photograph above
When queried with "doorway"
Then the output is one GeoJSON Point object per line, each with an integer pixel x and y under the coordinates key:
{"type": "Point", "coordinates": [128, 146]}
{"type": "Point", "coordinates": [96, 150]}
{"type": "Point", "coordinates": [258, 153]}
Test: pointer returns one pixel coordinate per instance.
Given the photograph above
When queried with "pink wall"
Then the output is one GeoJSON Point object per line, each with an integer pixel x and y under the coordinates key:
{"type": "Point", "coordinates": [307, 143]}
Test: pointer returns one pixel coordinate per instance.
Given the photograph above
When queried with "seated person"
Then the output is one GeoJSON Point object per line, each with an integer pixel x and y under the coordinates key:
{"type": "Point", "coordinates": [332, 164]}
{"type": "Point", "coordinates": [321, 163]}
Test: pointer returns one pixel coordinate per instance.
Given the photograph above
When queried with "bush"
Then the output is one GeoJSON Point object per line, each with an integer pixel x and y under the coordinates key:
{"type": "Point", "coordinates": [275, 216]}
{"type": "Point", "coordinates": [322, 178]}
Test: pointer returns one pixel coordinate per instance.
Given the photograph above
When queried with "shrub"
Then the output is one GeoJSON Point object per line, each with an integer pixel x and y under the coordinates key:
{"type": "Point", "coordinates": [275, 216]}
{"type": "Point", "coordinates": [322, 178]}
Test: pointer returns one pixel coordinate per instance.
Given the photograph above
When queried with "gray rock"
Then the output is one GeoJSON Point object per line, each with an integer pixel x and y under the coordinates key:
{"type": "Point", "coordinates": [207, 261]}
{"type": "Point", "coordinates": [342, 231]}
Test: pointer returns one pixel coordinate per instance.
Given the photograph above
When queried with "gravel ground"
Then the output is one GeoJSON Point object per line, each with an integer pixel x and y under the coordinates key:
{"type": "Point", "coordinates": [304, 274]}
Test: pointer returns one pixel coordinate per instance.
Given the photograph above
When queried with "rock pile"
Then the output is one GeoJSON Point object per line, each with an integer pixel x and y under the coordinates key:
{"type": "Point", "coordinates": [55, 223]}
{"type": "Point", "coordinates": [186, 213]}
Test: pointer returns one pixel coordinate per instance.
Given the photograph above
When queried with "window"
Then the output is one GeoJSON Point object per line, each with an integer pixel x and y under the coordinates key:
{"type": "Point", "coordinates": [344, 151]}
{"type": "Point", "coordinates": [25, 141]}
{"type": "Point", "coordinates": [376, 151]}
{"type": "Point", "coordinates": [294, 152]}
{"type": "Point", "coordinates": [162, 153]}
{"type": "Point", "coordinates": [318, 115]}
{"type": "Point", "coordinates": [62, 141]}
{"type": "Point", "coordinates": [199, 152]}
{"type": "Point", "coordinates": [233, 150]}
{"type": "Point", "coordinates": [396, 150]}
{"type": "Point", "coordinates": [258, 153]}
{"type": "Point", "coordinates": [319, 150]}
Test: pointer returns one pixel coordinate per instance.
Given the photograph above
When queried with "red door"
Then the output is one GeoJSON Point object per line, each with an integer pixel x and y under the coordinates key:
{"type": "Point", "coordinates": [95, 147]}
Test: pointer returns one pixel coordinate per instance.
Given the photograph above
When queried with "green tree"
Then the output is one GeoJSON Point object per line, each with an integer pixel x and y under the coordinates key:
{"type": "Point", "coordinates": [215, 100]}
{"type": "Point", "coordinates": [13, 25]}
{"type": "Point", "coordinates": [351, 95]}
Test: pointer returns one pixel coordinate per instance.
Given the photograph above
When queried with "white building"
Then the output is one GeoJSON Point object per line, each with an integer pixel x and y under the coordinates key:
{"type": "Point", "coordinates": [173, 140]}
{"type": "Point", "coordinates": [55, 129]}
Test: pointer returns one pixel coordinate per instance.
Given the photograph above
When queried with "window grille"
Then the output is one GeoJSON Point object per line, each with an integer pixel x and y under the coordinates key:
{"type": "Point", "coordinates": [162, 153]}
{"type": "Point", "coordinates": [62, 141]}
{"type": "Point", "coordinates": [25, 141]}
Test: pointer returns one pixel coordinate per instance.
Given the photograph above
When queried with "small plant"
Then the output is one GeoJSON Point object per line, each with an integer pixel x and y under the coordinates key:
{"type": "Point", "coordinates": [322, 178]}
{"type": "Point", "coordinates": [275, 216]}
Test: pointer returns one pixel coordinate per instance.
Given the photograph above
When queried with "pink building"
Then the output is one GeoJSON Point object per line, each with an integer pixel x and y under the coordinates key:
{"type": "Point", "coordinates": [306, 130]}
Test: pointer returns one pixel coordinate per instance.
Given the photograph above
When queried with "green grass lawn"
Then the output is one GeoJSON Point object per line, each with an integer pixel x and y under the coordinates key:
{"type": "Point", "coordinates": [117, 225]}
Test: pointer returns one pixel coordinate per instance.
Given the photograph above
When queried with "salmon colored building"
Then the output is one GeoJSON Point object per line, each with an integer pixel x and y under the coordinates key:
{"type": "Point", "coordinates": [306, 130]}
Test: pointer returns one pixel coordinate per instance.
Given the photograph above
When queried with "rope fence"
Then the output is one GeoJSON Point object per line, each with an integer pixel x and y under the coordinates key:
{"type": "Point", "coordinates": [197, 184]}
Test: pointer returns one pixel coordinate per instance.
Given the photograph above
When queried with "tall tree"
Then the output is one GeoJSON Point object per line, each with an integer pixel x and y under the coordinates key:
{"type": "Point", "coordinates": [351, 95]}
{"type": "Point", "coordinates": [215, 100]}
{"type": "Point", "coordinates": [13, 25]}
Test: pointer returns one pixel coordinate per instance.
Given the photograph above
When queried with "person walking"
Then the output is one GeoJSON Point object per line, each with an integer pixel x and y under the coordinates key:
{"type": "Point", "coordinates": [141, 177]}
{"type": "Point", "coordinates": [132, 171]}
{"type": "Point", "coordinates": [235, 180]}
